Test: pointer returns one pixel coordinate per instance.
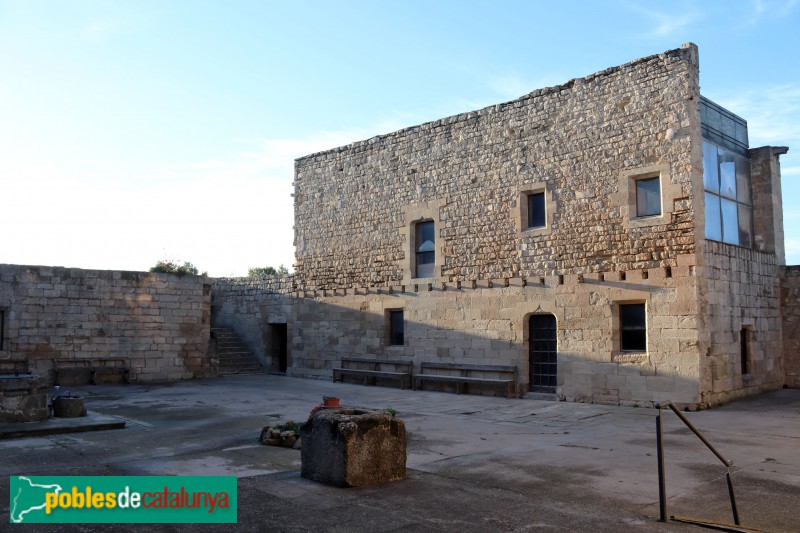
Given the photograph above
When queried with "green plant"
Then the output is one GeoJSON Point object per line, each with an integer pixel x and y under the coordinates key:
{"type": "Point", "coordinates": [167, 266]}
{"type": "Point", "coordinates": [260, 272]}
{"type": "Point", "coordinates": [391, 410]}
{"type": "Point", "coordinates": [289, 425]}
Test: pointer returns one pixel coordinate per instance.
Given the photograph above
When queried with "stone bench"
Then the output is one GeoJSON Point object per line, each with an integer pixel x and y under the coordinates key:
{"type": "Point", "coordinates": [463, 375]}
{"type": "Point", "coordinates": [90, 371]}
{"type": "Point", "coordinates": [370, 369]}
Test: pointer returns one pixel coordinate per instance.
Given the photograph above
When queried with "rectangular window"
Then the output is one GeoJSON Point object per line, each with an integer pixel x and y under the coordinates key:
{"type": "Point", "coordinates": [396, 326]}
{"type": "Point", "coordinates": [536, 210]}
{"type": "Point", "coordinates": [632, 328]}
{"type": "Point", "coordinates": [648, 197]}
{"type": "Point", "coordinates": [729, 205]}
{"type": "Point", "coordinates": [744, 341]}
{"type": "Point", "coordinates": [425, 249]}
{"type": "Point", "coordinates": [2, 329]}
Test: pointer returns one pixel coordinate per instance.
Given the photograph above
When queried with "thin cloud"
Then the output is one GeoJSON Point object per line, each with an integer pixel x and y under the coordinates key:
{"type": "Point", "coordinates": [665, 24]}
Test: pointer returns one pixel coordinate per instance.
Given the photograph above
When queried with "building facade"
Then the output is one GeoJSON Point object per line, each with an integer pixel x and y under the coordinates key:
{"type": "Point", "coordinates": [614, 237]}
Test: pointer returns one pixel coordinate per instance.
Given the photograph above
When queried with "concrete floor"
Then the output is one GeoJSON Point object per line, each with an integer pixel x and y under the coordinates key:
{"type": "Point", "coordinates": [475, 463]}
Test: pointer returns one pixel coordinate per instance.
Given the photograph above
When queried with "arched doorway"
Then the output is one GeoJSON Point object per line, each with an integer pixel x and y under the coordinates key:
{"type": "Point", "coordinates": [543, 353]}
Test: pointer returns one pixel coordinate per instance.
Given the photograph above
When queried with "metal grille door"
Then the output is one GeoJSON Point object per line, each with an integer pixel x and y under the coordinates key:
{"type": "Point", "coordinates": [543, 353]}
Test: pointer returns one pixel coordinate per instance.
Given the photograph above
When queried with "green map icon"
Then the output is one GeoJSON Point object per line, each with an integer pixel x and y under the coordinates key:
{"type": "Point", "coordinates": [28, 498]}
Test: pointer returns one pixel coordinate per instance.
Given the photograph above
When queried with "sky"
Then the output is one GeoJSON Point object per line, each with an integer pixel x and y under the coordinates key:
{"type": "Point", "coordinates": [137, 131]}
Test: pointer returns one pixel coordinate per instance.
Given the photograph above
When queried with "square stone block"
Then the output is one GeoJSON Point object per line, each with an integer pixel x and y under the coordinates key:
{"type": "Point", "coordinates": [350, 447]}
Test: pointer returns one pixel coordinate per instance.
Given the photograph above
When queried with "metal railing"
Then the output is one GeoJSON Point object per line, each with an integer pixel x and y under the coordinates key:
{"type": "Point", "coordinates": [662, 488]}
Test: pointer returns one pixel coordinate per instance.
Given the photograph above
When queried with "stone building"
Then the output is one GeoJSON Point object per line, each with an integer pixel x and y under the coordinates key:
{"type": "Point", "coordinates": [614, 237]}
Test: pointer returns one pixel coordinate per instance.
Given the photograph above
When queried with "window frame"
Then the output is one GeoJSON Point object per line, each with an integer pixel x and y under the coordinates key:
{"type": "Point", "coordinates": [390, 332]}
{"type": "Point", "coordinates": [622, 328]}
{"type": "Point", "coordinates": [524, 229]}
{"type": "Point", "coordinates": [729, 206]}
{"type": "Point", "coordinates": [417, 252]}
{"type": "Point", "coordinates": [639, 180]}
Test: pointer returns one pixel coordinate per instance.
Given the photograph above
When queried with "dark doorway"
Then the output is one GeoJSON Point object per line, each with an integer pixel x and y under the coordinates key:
{"type": "Point", "coordinates": [543, 353]}
{"type": "Point", "coordinates": [280, 351]}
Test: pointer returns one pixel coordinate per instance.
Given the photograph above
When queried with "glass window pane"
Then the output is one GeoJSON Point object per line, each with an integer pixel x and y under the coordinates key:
{"type": "Point", "coordinates": [713, 218]}
{"type": "Point", "coordinates": [743, 180]}
{"type": "Point", "coordinates": [536, 218]}
{"type": "Point", "coordinates": [710, 167]}
{"type": "Point", "coordinates": [424, 234]}
{"type": "Point", "coordinates": [745, 226]}
{"type": "Point", "coordinates": [727, 173]}
{"type": "Point", "coordinates": [730, 221]}
{"type": "Point", "coordinates": [632, 316]}
{"type": "Point", "coordinates": [648, 197]}
{"type": "Point", "coordinates": [633, 327]}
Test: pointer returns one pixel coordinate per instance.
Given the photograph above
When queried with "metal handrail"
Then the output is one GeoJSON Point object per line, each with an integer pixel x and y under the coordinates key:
{"type": "Point", "coordinates": [662, 488]}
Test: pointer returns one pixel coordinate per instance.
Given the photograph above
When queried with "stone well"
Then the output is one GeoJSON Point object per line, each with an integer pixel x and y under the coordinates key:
{"type": "Point", "coordinates": [350, 447]}
{"type": "Point", "coordinates": [23, 398]}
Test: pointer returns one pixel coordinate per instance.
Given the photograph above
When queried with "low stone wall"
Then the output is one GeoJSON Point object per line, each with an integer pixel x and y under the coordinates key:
{"type": "Point", "coordinates": [158, 323]}
{"type": "Point", "coordinates": [790, 304]}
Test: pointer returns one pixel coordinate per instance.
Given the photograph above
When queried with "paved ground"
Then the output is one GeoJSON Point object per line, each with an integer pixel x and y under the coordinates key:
{"type": "Point", "coordinates": [475, 463]}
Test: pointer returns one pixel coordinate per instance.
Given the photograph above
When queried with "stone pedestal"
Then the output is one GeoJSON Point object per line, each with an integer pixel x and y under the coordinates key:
{"type": "Point", "coordinates": [23, 398]}
{"type": "Point", "coordinates": [350, 447]}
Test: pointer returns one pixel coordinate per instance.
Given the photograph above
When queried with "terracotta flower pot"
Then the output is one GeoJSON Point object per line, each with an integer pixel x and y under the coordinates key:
{"type": "Point", "coordinates": [330, 401]}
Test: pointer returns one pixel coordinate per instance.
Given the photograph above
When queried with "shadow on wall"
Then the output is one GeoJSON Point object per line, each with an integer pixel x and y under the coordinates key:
{"type": "Point", "coordinates": [446, 328]}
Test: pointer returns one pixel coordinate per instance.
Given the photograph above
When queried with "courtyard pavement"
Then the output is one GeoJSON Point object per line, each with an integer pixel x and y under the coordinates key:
{"type": "Point", "coordinates": [475, 463]}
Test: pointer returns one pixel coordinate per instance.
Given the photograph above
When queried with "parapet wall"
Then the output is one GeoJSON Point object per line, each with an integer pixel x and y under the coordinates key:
{"type": "Point", "coordinates": [790, 304]}
{"type": "Point", "coordinates": [158, 323]}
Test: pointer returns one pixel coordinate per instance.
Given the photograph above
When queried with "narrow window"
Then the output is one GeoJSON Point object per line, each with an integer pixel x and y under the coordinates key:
{"type": "Point", "coordinates": [425, 249]}
{"type": "Point", "coordinates": [396, 336]}
{"type": "Point", "coordinates": [744, 341]}
{"type": "Point", "coordinates": [632, 328]}
{"type": "Point", "coordinates": [2, 329]}
{"type": "Point", "coordinates": [536, 214]}
{"type": "Point", "coordinates": [648, 197]}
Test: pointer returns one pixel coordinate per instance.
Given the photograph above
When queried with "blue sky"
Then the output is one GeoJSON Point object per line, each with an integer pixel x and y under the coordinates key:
{"type": "Point", "coordinates": [132, 131]}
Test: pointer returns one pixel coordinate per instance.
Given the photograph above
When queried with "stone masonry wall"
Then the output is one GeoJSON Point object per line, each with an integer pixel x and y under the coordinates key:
{"type": "Point", "coordinates": [159, 323]}
{"type": "Point", "coordinates": [790, 304]}
{"type": "Point", "coordinates": [457, 323]}
{"type": "Point", "coordinates": [740, 288]}
{"type": "Point", "coordinates": [248, 306]}
{"type": "Point", "coordinates": [579, 141]}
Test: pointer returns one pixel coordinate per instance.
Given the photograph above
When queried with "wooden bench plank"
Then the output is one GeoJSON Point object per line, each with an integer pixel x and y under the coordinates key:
{"type": "Point", "coordinates": [402, 371]}
{"type": "Point", "coordinates": [466, 377]}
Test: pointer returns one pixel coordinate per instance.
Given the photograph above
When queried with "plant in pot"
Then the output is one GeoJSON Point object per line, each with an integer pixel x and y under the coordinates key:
{"type": "Point", "coordinates": [66, 405]}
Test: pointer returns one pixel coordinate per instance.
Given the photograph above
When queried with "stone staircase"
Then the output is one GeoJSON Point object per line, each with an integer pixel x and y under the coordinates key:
{"type": "Point", "coordinates": [234, 355]}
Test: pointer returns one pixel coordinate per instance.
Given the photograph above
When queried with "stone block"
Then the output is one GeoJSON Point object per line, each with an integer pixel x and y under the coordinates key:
{"type": "Point", "coordinates": [351, 447]}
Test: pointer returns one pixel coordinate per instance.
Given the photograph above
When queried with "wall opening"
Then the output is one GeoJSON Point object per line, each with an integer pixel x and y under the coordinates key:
{"type": "Point", "coordinates": [543, 353]}
{"type": "Point", "coordinates": [280, 347]}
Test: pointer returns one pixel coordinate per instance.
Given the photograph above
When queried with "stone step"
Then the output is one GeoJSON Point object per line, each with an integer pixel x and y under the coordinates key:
{"type": "Point", "coordinates": [234, 355]}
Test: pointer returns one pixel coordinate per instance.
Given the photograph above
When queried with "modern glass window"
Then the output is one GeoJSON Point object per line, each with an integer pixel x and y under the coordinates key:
{"type": "Point", "coordinates": [425, 249]}
{"type": "Point", "coordinates": [648, 197]}
{"type": "Point", "coordinates": [396, 328]}
{"type": "Point", "coordinates": [632, 328]}
{"type": "Point", "coordinates": [729, 204]}
{"type": "Point", "coordinates": [536, 213]}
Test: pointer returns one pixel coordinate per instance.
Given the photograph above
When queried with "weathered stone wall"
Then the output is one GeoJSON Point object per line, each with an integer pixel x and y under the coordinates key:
{"type": "Point", "coordinates": [740, 288]}
{"type": "Point", "coordinates": [580, 141]}
{"type": "Point", "coordinates": [159, 323]}
{"type": "Point", "coordinates": [790, 304]}
{"type": "Point", "coordinates": [488, 325]}
{"type": "Point", "coordinates": [249, 306]}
